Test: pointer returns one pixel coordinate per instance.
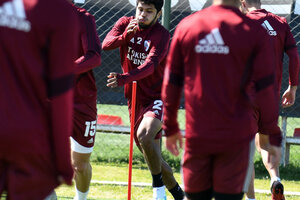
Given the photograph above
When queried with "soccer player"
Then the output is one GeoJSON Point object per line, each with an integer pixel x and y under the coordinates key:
{"type": "Point", "coordinates": [37, 53]}
{"type": "Point", "coordinates": [282, 41]}
{"type": "Point", "coordinates": [85, 95]}
{"type": "Point", "coordinates": [143, 44]}
{"type": "Point", "coordinates": [219, 65]}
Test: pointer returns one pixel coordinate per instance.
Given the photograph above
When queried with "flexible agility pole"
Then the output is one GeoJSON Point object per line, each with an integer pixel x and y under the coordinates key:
{"type": "Point", "coordinates": [132, 118]}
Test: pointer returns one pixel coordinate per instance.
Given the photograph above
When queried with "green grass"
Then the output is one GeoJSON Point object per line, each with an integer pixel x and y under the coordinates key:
{"type": "Point", "coordinates": [114, 148]}
{"type": "Point", "coordinates": [122, 111]}
{"type": "Point", "coordinates": [119, 173]}
{"type": "Point", "coordinates": [104, 172]}
{"type": "Point", "coordinates": [111, 154]}
{"type": "Point", "coordinates": [110, 160]}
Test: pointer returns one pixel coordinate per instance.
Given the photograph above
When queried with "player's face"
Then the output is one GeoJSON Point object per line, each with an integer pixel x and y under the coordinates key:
{"type": "Point", "coordinates": [146, 13]}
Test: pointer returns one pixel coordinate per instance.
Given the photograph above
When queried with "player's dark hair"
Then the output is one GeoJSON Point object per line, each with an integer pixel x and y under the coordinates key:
{"type": "Point", "coordinates": [253, 2]}
{"type": "Point", "coordinates": [158, 4]}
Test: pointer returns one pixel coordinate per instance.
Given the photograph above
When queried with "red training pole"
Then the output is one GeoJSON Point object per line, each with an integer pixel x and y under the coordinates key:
{"type": "Point", "coordinates": [132, 118]}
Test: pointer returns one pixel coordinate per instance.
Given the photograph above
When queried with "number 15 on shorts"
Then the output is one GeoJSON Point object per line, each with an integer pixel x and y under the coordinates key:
{"type": "Point", "coordinates": [90, 128]}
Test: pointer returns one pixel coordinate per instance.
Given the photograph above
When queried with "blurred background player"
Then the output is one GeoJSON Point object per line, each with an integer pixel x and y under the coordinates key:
{"type": "Point", "coordinates": [36, 96]}
{"type": "Point", "coordinates": [220, 126]}
{"type": "Point", "coordinates": [282, 41]}
{"type": "Point", "coordinates": [143, 44]}
{"type": "Point", "coordinates": [85, 99]}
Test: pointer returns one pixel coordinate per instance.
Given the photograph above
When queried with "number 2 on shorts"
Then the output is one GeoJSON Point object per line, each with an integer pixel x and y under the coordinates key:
{"type": "Point", "coordinates": [157, 105]}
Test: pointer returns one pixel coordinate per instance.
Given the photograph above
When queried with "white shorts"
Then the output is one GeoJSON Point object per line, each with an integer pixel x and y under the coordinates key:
{"type": "Point", "coordinates": [75, 146]}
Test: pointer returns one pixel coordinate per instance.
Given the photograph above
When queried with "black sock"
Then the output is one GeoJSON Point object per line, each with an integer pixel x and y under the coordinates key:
{"type": "Point", "coordinates": [177, 192]}
{"type": "Point", "coordinates": [157, 180]}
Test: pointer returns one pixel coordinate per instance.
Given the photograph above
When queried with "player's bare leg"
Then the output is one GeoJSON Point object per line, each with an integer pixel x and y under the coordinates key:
{"type": "Point", "coordinates": [83, 173]}
{"type": "Point", "coordinates": [167, 173]}
{"type": "Point", "coordinates": [160, 170]}
{"type": "Point", "coordinates": [271, 162]}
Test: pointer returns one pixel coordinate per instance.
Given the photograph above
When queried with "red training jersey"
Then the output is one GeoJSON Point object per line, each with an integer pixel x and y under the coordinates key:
{"type": "Point", "coordinates": [88, 57]}
{"type": "Point", "coordinates": [37, 54]}
{"type": "Point", "coordinates": [214, 62]}
{"type": "Point", "coordinates": [143, 57]}
{"type": "Point", "coordinates": [283, 40]}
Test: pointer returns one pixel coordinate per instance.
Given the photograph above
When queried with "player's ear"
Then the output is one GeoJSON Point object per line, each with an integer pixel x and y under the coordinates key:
{"type": "Point", "coordinates": [159, 14]}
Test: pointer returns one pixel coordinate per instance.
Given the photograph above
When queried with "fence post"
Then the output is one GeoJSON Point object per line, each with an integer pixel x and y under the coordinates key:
{"type": "Point", "coordinates": [283, 130]}
{"type": "Point", "coordinates": [166, 14]}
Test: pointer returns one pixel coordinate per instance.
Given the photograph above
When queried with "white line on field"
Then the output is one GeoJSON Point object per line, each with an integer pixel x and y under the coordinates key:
{"type": "Point", "coordinates": [135, 184]}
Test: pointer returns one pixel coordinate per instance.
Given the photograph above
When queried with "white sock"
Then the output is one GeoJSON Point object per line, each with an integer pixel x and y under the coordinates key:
{"type": "Point", "coordinates": [249, 199]}
{"type": "Point", "coordinates": [159, 192]}
{"type": "Point", "coordinates": [276, 178]}
{"type": "Point", "coordinates": [80, 195]}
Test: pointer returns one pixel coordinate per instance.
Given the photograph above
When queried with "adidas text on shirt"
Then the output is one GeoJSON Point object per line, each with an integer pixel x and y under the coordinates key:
{"type": "Point", "coordinates": [212, 43]}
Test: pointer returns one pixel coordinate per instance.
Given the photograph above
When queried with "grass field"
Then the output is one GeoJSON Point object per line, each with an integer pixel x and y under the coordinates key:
{"type": "Point", "coordinates": [104, 172]}
{"type": "Point", "coordinates": [119, 173]}
{"type": "Point", "coordinates": [113, 148]}
{"type": "Point", "coordinates": [122, 111]}
{"type": "Point", "coordinates": [110, 157]}
{"type": "Point", "coordinates": [110, 160]}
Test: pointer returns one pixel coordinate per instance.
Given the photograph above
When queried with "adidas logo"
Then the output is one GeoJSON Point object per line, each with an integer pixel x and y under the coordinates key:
{"type": "Point", "coordinates": [212, 43]}
{"type": "Point", "coordinates": [269, 28]}
{"type": "Point", "coordinates": [90, 141]}
{"type": "Point", "coordinates": [12, 15]}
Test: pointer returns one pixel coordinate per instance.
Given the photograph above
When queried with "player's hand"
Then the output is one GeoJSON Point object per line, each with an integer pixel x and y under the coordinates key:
{"type": "Point", "coordinates": [112, 80]}
{"type": "Point", "coordinates": [172, 143]}
{"type": "Point", "coordinates": [132, 26]}
{"type": "Point", "coordinates": [289, 96]}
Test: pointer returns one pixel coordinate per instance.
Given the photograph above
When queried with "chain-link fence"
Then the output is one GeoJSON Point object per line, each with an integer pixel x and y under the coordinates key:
{"type": "Point", "coordinates": [112, 101]}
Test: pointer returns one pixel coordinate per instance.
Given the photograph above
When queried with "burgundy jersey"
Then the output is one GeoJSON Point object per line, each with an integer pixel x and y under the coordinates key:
{"type": "Point", "coordinates": [283, 40]}
{"type": "Point", "coordinates": [88, 58]}
{"type": "Point", "coordinates": [37, 52]}
{"type": "Point", "coordinates": [143, 57]}
{"type": "Point", "coordinates": [214, 61]}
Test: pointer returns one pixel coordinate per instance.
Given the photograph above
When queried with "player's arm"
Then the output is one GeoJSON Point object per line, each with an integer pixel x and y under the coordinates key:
{"type": "Point", "coordinates": [171, 93]}
{"type": "Point", "coordinates": [290, 49]}
{"type": "Point", "coordinates": [91, 47]}
{"type": "Point", "coordinates": [289, 96]}
{"type": "Point", "coordinates": [63, 46]}
{"type": "Point", "coordinates": [266, 95]}
{"type": "Point", "coordinates": [121, 33]}
{"type": "Point", "coordinates": [157, 53]}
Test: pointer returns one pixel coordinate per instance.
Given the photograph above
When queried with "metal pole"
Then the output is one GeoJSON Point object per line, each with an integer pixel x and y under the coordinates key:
{"type": "Point", "coordinates": [166, 14]}
{"type": "Point", "coordinates": [166, 23]}
{"type": "Point", "coordinates": [283, 130]}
